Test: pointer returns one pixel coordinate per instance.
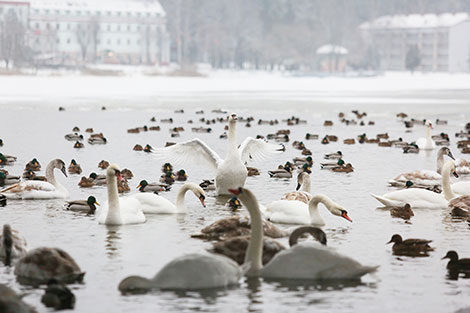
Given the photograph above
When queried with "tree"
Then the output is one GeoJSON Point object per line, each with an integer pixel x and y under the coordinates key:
{"type": "Point", "coordinates": [412, 58]}
{"type": "Point", "coordinates": [12, 39]}
{"type": "Point", "coordinates": [87, 36]}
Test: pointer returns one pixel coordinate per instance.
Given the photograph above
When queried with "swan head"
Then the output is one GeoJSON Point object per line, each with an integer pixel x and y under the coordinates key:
{"type": "Point", "coordinates": [395, 239]}
{"type": "Point", "coordinates": [233, 118]}
{"type": "Point", "coordinates": [199, 193]}
{"type": "Point", "coordinates": [114, 170]}
{"type": "Point", "coordinates": [316, 233]}
{"type": "Point", "coordinates": [59, 164]}
{"type": "Point", "coordinates": [301, 179]}
{"type": "Point", "coordinates": [338, 210]}
{"type": "Point", "coordinates": [134, 285]}
{"type": "Point", "coordinates": [450, 166]}
{"type": "Point", "coordinates": [446, 151]}
{"type": "Point", "coordinates": [428, 124]}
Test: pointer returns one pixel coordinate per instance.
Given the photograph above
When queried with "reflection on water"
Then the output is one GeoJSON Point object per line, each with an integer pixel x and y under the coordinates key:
{"type": "Point", "coordinates": [112, 241]}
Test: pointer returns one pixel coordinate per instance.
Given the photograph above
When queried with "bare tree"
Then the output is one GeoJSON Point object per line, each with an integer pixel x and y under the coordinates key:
{"type": "Point", "coordinates": [87, 36]}
{"type": "Point", "coordinates": [83, 38]}
{"type": "Point", "coordinates": [12, 39]}
{"type": "Point", "coordinates": [94, 29]}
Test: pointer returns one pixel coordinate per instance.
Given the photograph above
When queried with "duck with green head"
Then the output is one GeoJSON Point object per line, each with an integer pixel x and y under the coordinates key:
{"type": "Point", "coordinates": [181, 175]}
{"type": "Point", "coordinates": [33, 165]}
{"type": "Point", "coordinates": [6, 159]}
{"type": "Point", "coordinates": [74, 167]}
{"type": "Point", "coordinates": [144, 186]}
{"type": "Point", "coordinates": [6, 179]}
{"type": "Point", "coordinates": [167, 178]}
{"type": "Point", "coordinates": [88, 206]}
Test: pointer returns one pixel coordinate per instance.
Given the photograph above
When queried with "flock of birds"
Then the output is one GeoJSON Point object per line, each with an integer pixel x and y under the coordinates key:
{"type": "Point", "coordinates": [243, 247]}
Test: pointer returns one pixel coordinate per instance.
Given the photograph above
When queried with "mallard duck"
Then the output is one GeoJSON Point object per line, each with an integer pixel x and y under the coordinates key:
{"type": "Point", "coordinates": [148, 148]}
{"type": "Point", "coordinates": [201, 130]}
{"type": "Point", "coordinates": [74, 167]}
{"type": "Point", "coordinates": [411, 148]}
{"type": "Point", "coordinates": [346, 168]}
{"type": "Point", "coordinates": [97, 141]}
{"type": "Point", "coordinates": [78, 145]}
{"type": "Point", "coordinates": [86, 182]}
{"type": "Point", "coordinates": [383, 136]}
{"type": "Point", "coordinates": [166, 120]}
{"type": "Point", "coordinates": [127, 174]}
{"type": "Point", "coordinates": [98, 180]}
{"type": "Point", "coordinates": [3, 200]}
{"type": "Point", "coordinates": [6, 179]}
{"type": "Point", "coordinates": [334, 156]}
{"type": "Point", "coordinates": [325, 140]}
{"type": "Point", "coordinates": [33, 165]}
{"type": "Point", "coordinates": [404, 212]}
{"type": "Point", "coordinates": [402, 115]}
{"type": "Point", "coordinates": [76, 129]}
{"type": "Point", "coordinates": [233, 203]}
{"type": "Point", "coordinates": [103, 164]}
{"type": "Point", "coordinates": [167, 167]}
{"type": "Point", "coordinates": [87, 206]}
{"type": "Point", "coordinates": [309, 136]}
{"type": "Point", "coordinates": [456, 264]}
{"type": "Point", "coordinates": [349, 141]}
{"type": "Point", "coordinates": [89, 130]}
{"type": "Point", "coordinates": [282, 171]}
{"type": "Point", "coordinates": [167, 178]}
{"type": "Point", "coordinates": [123, 186]}
{"type": "Point", "coordinates": [331, 165]}
{"type": "Point", "coordinates": [144, 186]}
{"type": "Point", "coordinates": [35, 267]}
{"type": "Point", "coordinates": [154, 128]}
{"type": "Point", "coordinates": [327, 123]}
{"type": "Point", "coordinates": [410, 247]}
{"type": "Point", "coordinates": [30, 175]}
{"type": "Point", "coordinates": [299, 145]}
{"type": "Point", "coordinates": [301, 161]}
{"type": "Point", "coordinates": [207, 184]}
{"type": "Point", "coordinates": [138, 147]}
{"type": "Point", "coordinates": [73, 137]}
{"type": "Point", "coordinates": [181, 175]}
{"type": "Point", "coordinates": [252, 171]}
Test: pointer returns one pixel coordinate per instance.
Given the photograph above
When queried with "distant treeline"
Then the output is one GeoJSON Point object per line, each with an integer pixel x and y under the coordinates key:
{"type": "Point", "coordinates": [267, 33]}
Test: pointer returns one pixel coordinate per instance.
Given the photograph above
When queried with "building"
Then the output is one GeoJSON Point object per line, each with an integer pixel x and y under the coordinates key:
{"type": "Point", "coordinates": [75, 32]}
{"type": "Point", "coordinates": [443, 41]}
{"type": "Point", "coordinates": [332, 58]}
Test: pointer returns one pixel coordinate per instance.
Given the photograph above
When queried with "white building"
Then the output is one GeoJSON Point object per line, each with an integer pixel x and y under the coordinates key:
{"type": "Point", "coordinates": [75, 32]}
{"type": "Point", "coordinates": [443, 40]}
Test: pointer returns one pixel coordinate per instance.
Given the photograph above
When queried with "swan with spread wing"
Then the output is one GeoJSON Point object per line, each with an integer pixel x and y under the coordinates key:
{"type": "Point", "coordinates": [231, 172]}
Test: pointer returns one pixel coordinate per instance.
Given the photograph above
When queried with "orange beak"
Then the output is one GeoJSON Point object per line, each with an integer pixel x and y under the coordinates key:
{"type": "Point", "coordinates": [345, 215]}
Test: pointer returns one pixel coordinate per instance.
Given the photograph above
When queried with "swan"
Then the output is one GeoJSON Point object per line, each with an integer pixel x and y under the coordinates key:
{"type": "Point", "coordinates": [425, 177]}
{"type": "Point", "coordinates": [303, 195]}
{"type": "Point", "coordinates": [231, 172]}
{"type": "Point", "coordinates": [302, 261]}
{"type": "Point", "coordinates": [297, 212]}
{"type": "Point", "coordinates": [422, 198]}
{"type": "Point", "coordinates": [33, 189]}
{"type": "Point", "coordinates": [426, 143]}
{"type": "Point", "coordinates": [12, 302]}
{"type": "Point", "coordinates": [151, 203]}
{"type": "Point", "coordinates": [193, 271]}
{"type": "Point", "coordinates": [119, 211]}
{"type": "Point", "coordinates": [12, 245]}
{"type": "Point", "coordinates": [40, 265]}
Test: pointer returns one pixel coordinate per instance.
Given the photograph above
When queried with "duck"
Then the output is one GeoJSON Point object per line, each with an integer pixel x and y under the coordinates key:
{"type": "Point", "coordinates": [86, 182]}
{"type": "Point", "coordinates": [410, 247]}
{"type": "Point", "coordinates": [12, 245]}
{"type": "Point", "coordinates": [32, 189]}
{"type": "Point", "coordinates": [151, 203]}
{"type": "Point", "coordinates": [3, 200]}
{"type": "Point", "coordinates": [148, 148]}
{"type": "Point", "coordinates": [346, 168]}
{"type": "Point", "coordinates": [301, 161]}
{"type": "Point", "coordinates": [181, 175]}
{"type": "Point", "coordinates": [231, 172]}
{"type": "Point", "coordinates": [236, 226]}
{"type": "Point", "coordinates": [462, 167]}
{"type": "Point", "coordinates": [1, 142]}
{"type": "Point", "coordinates": [167, 178]}
{"type": "Point", "coordinates": [460, 206]}
{"type": "Point", "coordinates": [456, 264]}
{"type": "Point", "coordinates": [87, 205]}
{"type": "Point", "coordinates": [127, 174]}
{"type": "Point", "coordinates": [89, 130]}
{"type": "Point", "coordinates": [233, 203]}
{"type": "Point", "coordinates": [73, 137]}
{"type": "Point", "coordinates": [10, 302]}
{"type": "Point", "coordinates": [405, 212]}
{"type": "Point", "coordinates": [167, 167]}
{"type": "Point", "coordinates": [30, 175]}
{"type": "Point", "coordinates": [195, 271]}
{"type": "Point", "coordinates": [144, 186]}
{"type": "Point", "coordinates": [309, 136]}
{"type": "Point", "coordinates": [331, 165]}
{"type": "Point", "coordinates": [7, 159]}
{"type": "Point", "coordinates": [303, 195]}
{"type": "Point", "coordinates": [119, 211]}
{"type": "Point", "coordinates": [74, 168]}
{"type": "Point", "coordinates": [78, 145]}
{"type": "Point", "coordinates": [33, 165]}
{"type": "Point", "coordinates": [253, 171]}
{"type": "Point", "coordinates": [422, 198]}
{"type": "Point", "coordinates": [307, 260]}
{"type": "Point", "coordinates": [349, 141]}
{"type": "Point", "coordinates": [35, 267]}
{"type": "Point", "coordinates": [103, 164]}
{"type": "Point", "coordinates": [6, 179]}
{"type": "Point", "coordinates": [411, 148]}
{"type": "Point", "coordinates": [297, 212]}
{"type": "Point", "coordinates": [207, 184]}
{"type": "Point", "coordinates": [334, 156]}
{"type": "Point", "coordinates": [138, 147]}
{"type": "Point", "coordinates": [154, 128]}
{"type": "Point", "coordinates": [281, 172]}
{"type": "Point", "coordinates": [97, 141]}
{"type": "Point", "coordinates": [409, 184]}
{"type": "Point", "coordinates": [58, 296]}
{"type": "Point", "coordinates": [426, 143]}
{"type": "Point", "coordinates": [98, 180]}
{"type": "Point", "coordinates": [425, 177]}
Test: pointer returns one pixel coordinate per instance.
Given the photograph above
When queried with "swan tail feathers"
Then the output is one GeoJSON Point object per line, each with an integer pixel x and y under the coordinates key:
{"type": "Point", "coordinates": [385, 201]}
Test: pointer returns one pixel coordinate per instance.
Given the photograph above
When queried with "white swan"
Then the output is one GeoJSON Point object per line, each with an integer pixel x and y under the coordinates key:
{"type": "Point", "coordinates": [231, 172]}
{"type": "Point", "coordinates": [119, 211]}
{"type": "Point", "coordinates": [422, 198]}
{"type": "Point", "coordinates": [34, 189]}
{"type": "Point", "coordinates": [12, 245]}
{"type": "Point", "coordinates": [426, 143]}
{"type": "Point", "coordinates": [425, 177]}
{"type": "Point", "coordinates": [188, 272]}
{"type": "Point", "coordinates": [297, 212]}
{"type": "Point", "coordinates": [303, 195]}
{"type": "Point", "coordinates": [303, 261]}
{"type": "Point", "coordinates": [154, 204]}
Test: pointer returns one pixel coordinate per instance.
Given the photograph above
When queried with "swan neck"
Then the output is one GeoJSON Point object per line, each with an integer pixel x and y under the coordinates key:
{"type": "Point", "coordinates": [315, 217]}
{"type": "Point", "coordinates": [254, 252]}
{"type": "Point", "coordinates": [113, 198]}
{"type": "Point", "coordinates": [50, 174]}
{"type": "Point", "coordinates": [428, 134]}
{"type": "Point", "coordinates": [306, 185]}
{"type": "Point", "coordinates": [446, 187]}
{"type": "Point", "coordinates": [181, 194]}
{"type": "Point", "coordinates": [440, 162]}
{"type": "Point", "coordinates": [232, 137]}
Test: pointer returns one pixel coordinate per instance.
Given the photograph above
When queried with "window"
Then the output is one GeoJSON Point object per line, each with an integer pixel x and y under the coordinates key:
{"type": "Point", "coordinates": [128, 42]}
{"type": "Point", "coordinates": [118, 41]}
{"type": "Point", "coordinates": [67, 12]}
{"type": "Point", "coordinates": [57, 41]}
{"type": "Point", "coordinates": [118, 13]}
{"type": "Point", "coordinates": [68, 26]}
{"type": "Point", "coordinates": [48, 26]}
{"type": "Point", "coordinates": [68, 40]}
{"type": "Point", "coordinates": [138, 41]}
{"type": "Point", "coordinates": [108, 13]}
{"type": "Point", "coordinates": [109, 27]}
{"type": "Point", "coordinates": [118, 28]}
{"type": "Point", "coordinates": [128, 27]}
{"type": "Point", "coordinates": [37, 26]}
{"type": "Point", "coordinates": [79, 12]}
{"type": "Point", "coordinates": [138, 27]}
{"type": "Point", "coordinates": [109, 41]}
{"type": "Point", "coordinates": [57, 26]}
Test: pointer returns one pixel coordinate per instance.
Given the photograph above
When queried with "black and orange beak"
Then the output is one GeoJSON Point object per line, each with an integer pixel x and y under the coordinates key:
{"type": "Point", "coordinates": [455, 174]}
{"type": "Point", "coordinates": [202, 198]}
{"type": "Point", "coordinates": [345, 215]}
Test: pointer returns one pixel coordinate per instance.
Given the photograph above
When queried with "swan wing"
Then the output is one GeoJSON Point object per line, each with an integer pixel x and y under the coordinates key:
{"type": "Point", "coordinates": [461, 188]}
{"type": "Point", "coordinates": [32, 189]}
{"type": "Point", "coordinates": [287, 212]}
{"type": "Point", "coordinates": [417, 198]}
{"type": "Point", "coordinates": [192, 151]}
{"type": "Point", "coordinates": [151, 203]}
{"type": "Point", "coordinates": [257, 149]}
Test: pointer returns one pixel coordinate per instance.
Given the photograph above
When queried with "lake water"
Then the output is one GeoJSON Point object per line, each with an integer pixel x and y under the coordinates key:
{"type": "Point", "coordinates": [35, 128]}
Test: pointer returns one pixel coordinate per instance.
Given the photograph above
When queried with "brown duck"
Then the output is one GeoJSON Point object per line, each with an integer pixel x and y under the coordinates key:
{"type": "Point", "coordinates": [410, 247]}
